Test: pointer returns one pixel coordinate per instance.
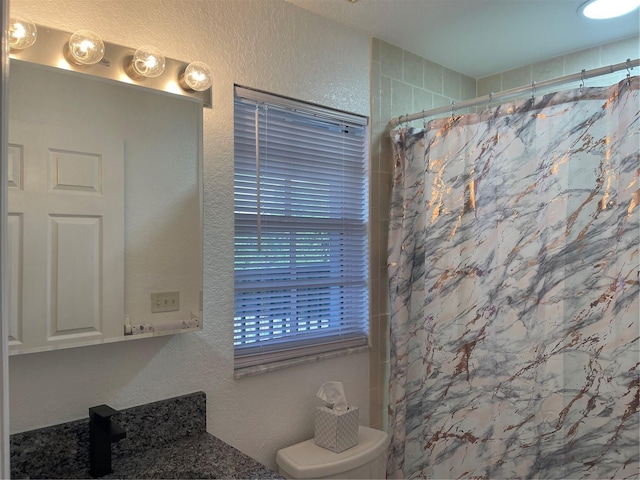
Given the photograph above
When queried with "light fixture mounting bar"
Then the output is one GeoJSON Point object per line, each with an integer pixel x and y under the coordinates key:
{"type": "Point", "coordinates": [48, 51]}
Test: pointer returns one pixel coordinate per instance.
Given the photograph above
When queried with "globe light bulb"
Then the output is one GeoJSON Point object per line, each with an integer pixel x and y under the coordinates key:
{"type": "Point", "coordinates": [197, 76]}
{"type": "Point", "coordinates": [85, 48]}
{"type": "Point", "coordinates": [22, 32]}
{"type": "Point", "coordinates": [148, 61]}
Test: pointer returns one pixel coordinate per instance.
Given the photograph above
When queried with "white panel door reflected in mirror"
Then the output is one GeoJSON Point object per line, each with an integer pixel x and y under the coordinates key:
{"type": "Point", "coordinates": [105, 212]}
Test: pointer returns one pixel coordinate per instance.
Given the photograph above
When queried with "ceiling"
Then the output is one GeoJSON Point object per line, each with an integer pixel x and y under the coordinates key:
{"type": "Point", "coordinates": [478, 37]}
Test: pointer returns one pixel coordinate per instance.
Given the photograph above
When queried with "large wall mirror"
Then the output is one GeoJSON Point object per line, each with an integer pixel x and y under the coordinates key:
{"type": "Point", "coordinates": [105, 210]}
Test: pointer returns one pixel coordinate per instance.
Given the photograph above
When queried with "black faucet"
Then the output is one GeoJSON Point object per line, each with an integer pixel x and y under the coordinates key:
{"type": "Point", "coordinates": [103, 431]}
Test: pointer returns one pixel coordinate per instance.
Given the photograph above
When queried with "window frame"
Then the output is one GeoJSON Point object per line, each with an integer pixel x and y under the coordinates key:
{"type": "Point", "coordinates": [344, 332]}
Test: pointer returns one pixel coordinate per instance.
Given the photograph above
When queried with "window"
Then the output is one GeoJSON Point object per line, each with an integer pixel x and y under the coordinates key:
{"type": "Point", "coordinates": [301, 249]}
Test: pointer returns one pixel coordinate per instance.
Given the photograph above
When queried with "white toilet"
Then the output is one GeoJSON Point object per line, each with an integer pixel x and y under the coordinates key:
{"type": "Point", "coordinates": [368, 459]}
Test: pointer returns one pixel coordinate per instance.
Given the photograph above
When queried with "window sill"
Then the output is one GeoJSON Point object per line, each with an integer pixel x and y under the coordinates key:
{"type": "Point", "coordinates": [272, 367]}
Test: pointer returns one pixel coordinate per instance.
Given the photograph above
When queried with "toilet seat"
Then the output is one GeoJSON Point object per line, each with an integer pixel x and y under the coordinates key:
{"type": "Point", "coordinates": [307, 460]}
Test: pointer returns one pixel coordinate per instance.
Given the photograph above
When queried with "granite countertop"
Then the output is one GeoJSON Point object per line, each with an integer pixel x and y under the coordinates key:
{"type": "Point", "coordinates": [201, 456]}
{"type": "Point", "coordinates": [165, 439]}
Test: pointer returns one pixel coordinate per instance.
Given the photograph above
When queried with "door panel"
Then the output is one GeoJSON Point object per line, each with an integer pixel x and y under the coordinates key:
{"type": "Point", "coordinates": [71, 245]}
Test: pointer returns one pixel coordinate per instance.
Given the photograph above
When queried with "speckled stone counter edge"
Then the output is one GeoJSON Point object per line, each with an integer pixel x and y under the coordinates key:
{"type": "Point", "coordinates": [61, 450]}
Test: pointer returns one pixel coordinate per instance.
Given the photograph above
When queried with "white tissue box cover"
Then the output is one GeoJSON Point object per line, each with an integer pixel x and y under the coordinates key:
{"type": "Point", "coordinates": [336, 431]}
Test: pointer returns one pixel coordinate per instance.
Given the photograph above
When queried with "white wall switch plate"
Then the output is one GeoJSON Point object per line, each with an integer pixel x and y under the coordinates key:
{"type": "Point", "coordinates": [165, 302]}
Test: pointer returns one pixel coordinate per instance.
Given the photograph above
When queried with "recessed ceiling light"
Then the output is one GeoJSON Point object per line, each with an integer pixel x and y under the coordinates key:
{"type": "Point", "coordinates": [602, 9]}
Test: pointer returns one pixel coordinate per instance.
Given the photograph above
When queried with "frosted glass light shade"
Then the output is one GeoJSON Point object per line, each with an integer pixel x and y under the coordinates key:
{"type": "Point", "coordinates": [197, 76]}
{"type": "Point", "coordinates": [86, 47]}
{"type": "Point", "coordinates": [22, 32]}
{"type": "Point", "coordinates": [603, 9]}
{"type": "Point", "coordinates": [148, 61]}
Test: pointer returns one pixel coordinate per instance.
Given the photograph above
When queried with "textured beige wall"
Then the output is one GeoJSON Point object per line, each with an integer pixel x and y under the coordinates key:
{"type": "Point", "coordinates": [265, 44]}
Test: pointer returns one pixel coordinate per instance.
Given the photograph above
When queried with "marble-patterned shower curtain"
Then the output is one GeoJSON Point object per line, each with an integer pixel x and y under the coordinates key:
{"type": "Point", "coordinates": [514, 282]}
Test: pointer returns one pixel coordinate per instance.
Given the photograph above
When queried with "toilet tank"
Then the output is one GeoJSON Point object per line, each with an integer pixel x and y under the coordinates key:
{"type": "Point", "coordinates": [368, 459]}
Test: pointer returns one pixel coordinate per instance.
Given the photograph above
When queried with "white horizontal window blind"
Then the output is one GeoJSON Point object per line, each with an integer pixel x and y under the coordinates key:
{"type": "Point", "coordinates": [301, 248]}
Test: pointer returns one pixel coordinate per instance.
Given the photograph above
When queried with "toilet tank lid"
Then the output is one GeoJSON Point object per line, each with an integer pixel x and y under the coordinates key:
{"type": "Point", "coordinates": [307, 460]}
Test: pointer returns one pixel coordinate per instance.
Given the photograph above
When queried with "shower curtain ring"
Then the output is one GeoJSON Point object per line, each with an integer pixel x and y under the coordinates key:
{"type": "Point", "coordinates": [582, 80]}
{"type": "Point", "coordinates": [453, 108]}
{"type": "Point", "coordinates": [629, 68]}
{"type": "Point", "coordinates": [533, 90]}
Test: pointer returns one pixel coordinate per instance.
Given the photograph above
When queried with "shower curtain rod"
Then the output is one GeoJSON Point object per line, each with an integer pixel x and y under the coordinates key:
{"type": "Point", "coordinates": [583, 75]}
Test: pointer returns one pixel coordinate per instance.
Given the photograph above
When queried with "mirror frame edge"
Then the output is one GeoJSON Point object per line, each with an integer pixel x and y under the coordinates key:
{"type": "Point", "coordinates": [4, 342]}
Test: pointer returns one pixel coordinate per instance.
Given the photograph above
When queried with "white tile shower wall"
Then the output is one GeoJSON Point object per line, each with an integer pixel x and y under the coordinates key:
{"type": "Point", "coordinates": [603, 55]}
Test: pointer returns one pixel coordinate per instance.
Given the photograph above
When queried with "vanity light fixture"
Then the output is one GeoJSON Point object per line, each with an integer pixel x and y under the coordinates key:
{"type": "Point", "coordinates": [22, 32]}
{"type": "Point", "coordinates": [85, 48]}
{"type": "Point", "coordinates": [603, 9]}
{"type": "Point", "coordinates": [148, 62]}
{"type": "Point", "coordinates": [84, 52]}
{"type": "Point", "coordinates": [197, 77]}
